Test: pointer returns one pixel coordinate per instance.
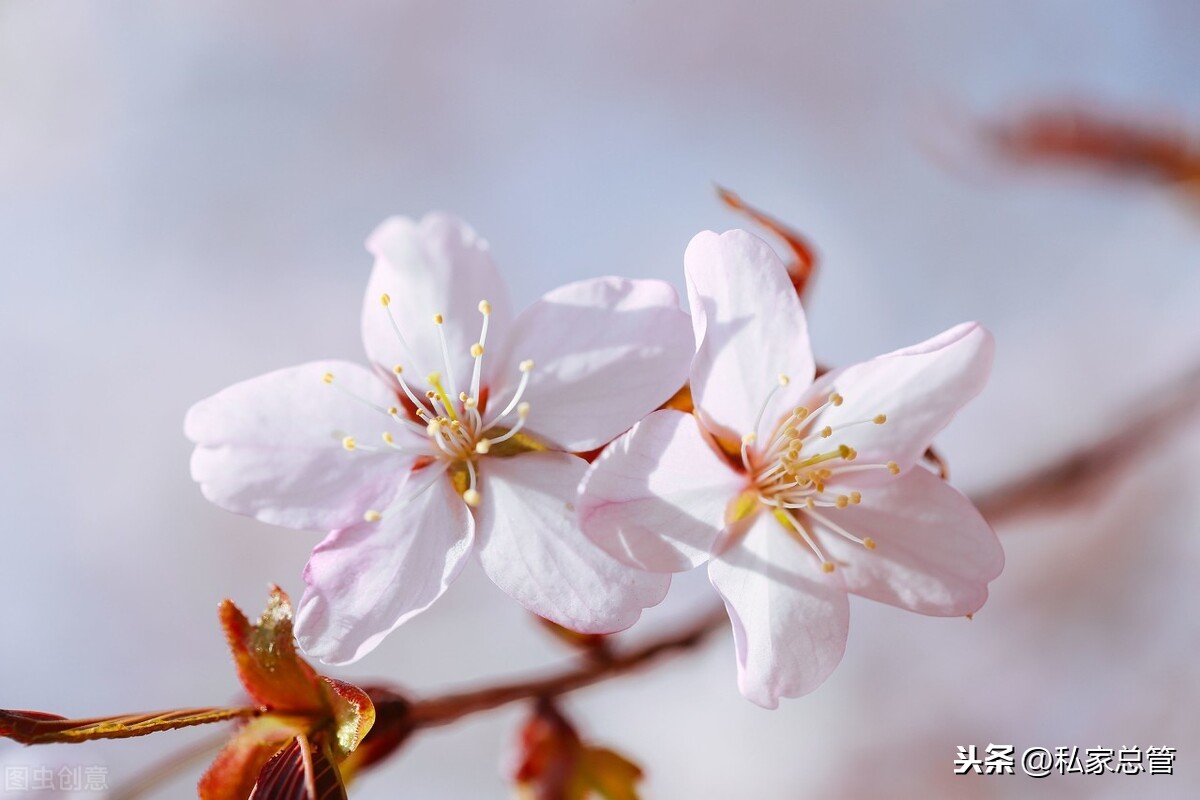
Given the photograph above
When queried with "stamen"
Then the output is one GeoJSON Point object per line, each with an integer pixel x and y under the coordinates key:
{"type": "Point", "coordinates": [794, 524]}
{"type": "Point", "coordinates": [747, 441]}
{"type": "Point", "coordinates": [526, 367]}
{"type": "Point", "coordinates": [471, 495]}
{"type": "Point", "coordinates": [781, 381]}
{"type": "Point", "coordinates": [435, 380]}
{"type": "Point", "coordinates": [398, 371]}
{"type": "Point", "coordinates": [523, 414]}
{"type": "Point", "coordinates": [485, 308]}
{"type": "Point", "coordinates": [437, 320]}
{"type": "Point", "coordinates": [372, 515]}
{"type": "Point", "coordinates": [327, 379]}
{"type": "Point", "coordinates": [349, 443]}
{"type": "Point", "coordinates": [838, 529]}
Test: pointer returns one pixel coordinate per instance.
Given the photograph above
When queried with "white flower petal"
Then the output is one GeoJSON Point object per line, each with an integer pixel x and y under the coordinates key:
{"type": "Point", "coordinates": [919, 389]}
{"type": "Point", "coordinates": [606, 353]}
{"type": "Point", "coordinates": [531, 547]}
{"type": "Point", "coordinates": [656, 497]}
{"type": "Point", "coordinates": [790, 619]}
{"type": "Point", "coordinates": [436, 266]}
{"type": "Point", "coordinates": [366, 580]}
{"type": "Point", "coordinates": [272, 447]}
{"type": "Point", "coordinates": [935, 552]}
{"type": "Point", "coordinates": [749, 329]}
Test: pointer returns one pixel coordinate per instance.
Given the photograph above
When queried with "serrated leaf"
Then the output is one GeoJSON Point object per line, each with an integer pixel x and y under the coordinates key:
{"type": "Point", "coordinates": [36, 727]}
{"type": "Point", "coordinates": [270, 670]}
{"type": "Point", "coordinates": [303, 770]}
{"type": "Point", "coordinates": [392, 728]}
{"type": "Point", "coordinates": [353, 715]}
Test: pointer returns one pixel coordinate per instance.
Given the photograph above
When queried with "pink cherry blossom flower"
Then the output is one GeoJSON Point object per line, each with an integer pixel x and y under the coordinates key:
{"type": "Point", "coordinates": [461, 440]}
{"type": "Point", "coordinates": [796, 491]}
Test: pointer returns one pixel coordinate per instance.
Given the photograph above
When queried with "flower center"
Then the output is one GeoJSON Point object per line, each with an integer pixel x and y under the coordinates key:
{"type": "Point", "coordinates": [793, 472]}
{"type": "Point", "coordinates": [452, 424]}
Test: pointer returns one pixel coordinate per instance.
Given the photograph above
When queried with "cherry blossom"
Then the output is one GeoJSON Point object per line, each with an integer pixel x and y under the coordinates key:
{"type": "Point", "coordinates": [796, 491]}
{"type": "Point", "coordinates": [462, 439]}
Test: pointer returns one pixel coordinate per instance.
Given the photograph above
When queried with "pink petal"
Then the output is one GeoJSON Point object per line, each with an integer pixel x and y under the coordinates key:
{"type": "Point", "coordinates": [531, 547]}
{"type": "Point", "coordinates": [790, 619]}
{"type": "Point", "coordinates": [606, 353]}
{"type": "Point", "coordinates": [271, 447]}
{"type": "Point", "coordinates": [749, 329]}
{"type": "Point", "coordinates": [919, 388]}
{"type": "Point", "coordinates": [436, 266]}
{"type": "Point", "coordinates": [656, 497]}
{"type": "Point", "coordinates": [366, 580]}
{"type": "Point", "coordinates": [935, 552]}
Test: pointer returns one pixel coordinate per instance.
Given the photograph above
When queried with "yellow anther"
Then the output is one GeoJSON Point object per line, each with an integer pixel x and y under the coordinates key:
{"type": "Point", "coordinates": [827, 567]}
{"type": "Point", "coordinates": [893, 467]}
{"type": "Point", "coordinates": [842, 501]}
{"type": "Point", "coordinates": [526, 365]}
{"type": "Point", "coordinates": [387, 437]}
{"type": "Point", "coordinates": [826, 432]}
{"type": "Point", "coordinates": [386, 299]}
{"type": "Point", "coordinates": [372, 515]}
{"type": "Point", "coordinates": [485, 307]}
{"type": "Point", "coordinates": [784, 380]}
{"type": "Point", "coordinates": [749, 438]}
{"type": "Point", "coordinates": [819, 485]}
{"type": "Point", "coordinates": [393, 411]}
{"type": "Point", "coordinates": [476, 350]}
{"type": "Point", "coordinates": [437, 319]}
{"type": "Point", "coordinates": [430, 394]}
{"type": "Point", "coordinates": [472, 498]}
{"type": "Point", "coordinates": [482, 446]}
{"type": "Point", "coordinates": [327, 377]}
{"type": "Point", "coordinates": [844, 450]}
{"type": "Point", "coordinates": [809, 503]}
{"type": "Point", "coordinates": [835, 399]}
{"type": "Point", "coordinates": [470, 402]}
{"type": "Point", "coordinates": [434, 427]}
{"type": "Point", "coordinates": [869, 543]}
{"type": "Point", "coordinates": [801, 412]}
{"type": "Point", "coordinates": [463, 397]}
{"type": "Point", "coordinates": [397, 369]}
{"type": "Point", "coordinates": [349, 443]}
{"type": "Point", "coordinates": [523, 410]}
{"type": "Point", "coordinates": [880, 419]}
{"type": "Point", "coordinates": [855, 498]}
{"type": "Point", "coordinates": [850, 456]}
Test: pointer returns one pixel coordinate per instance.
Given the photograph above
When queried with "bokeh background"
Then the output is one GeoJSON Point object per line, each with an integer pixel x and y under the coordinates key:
{"type": "Point", "coordinates": [184, 189]}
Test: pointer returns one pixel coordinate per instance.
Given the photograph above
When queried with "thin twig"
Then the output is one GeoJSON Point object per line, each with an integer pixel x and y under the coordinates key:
{"type": "Point", "coordinates": [1075, 476]}
{"type": "Point", "coordinates": [449, 708]}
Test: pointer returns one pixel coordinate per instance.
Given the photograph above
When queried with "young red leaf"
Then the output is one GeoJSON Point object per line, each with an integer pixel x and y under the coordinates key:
{"type": "Point", "coordinates": [269, 668]}
{"type": "Point", "coordinates": [555, 764]}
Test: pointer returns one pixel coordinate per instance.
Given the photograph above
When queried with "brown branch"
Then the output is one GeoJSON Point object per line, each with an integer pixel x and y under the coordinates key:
{"type": "Point", "coordinates": [1077, 475]}
{"type": "Point", "coordinates": [443, 710]}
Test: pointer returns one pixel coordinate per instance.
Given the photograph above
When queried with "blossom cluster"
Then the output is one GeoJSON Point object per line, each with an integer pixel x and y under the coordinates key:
{"type": "Point", "coordinates": [599, 441]}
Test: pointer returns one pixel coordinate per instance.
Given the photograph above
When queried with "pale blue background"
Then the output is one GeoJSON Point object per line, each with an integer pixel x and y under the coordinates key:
{"type": "Point", "coordinates": [184, 189]}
